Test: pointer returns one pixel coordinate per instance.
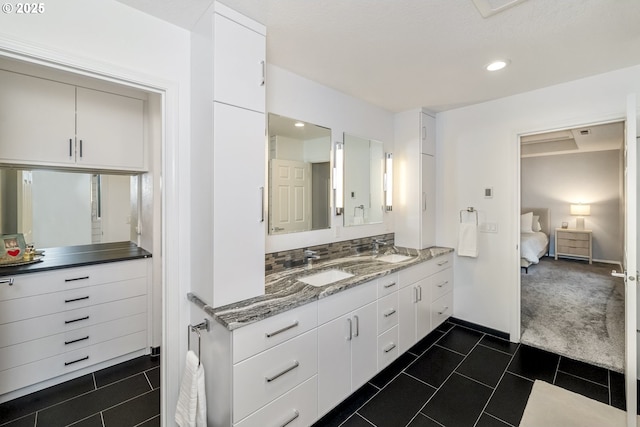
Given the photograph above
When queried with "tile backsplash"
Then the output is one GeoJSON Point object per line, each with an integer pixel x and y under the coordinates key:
{"type": "Point", "coordinates": [278, 261]}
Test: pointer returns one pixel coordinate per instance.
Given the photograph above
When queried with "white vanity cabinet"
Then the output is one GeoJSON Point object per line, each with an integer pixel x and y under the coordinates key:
{"type": "Point", "coordinates": [48, 123]}
{"type": "Point", "coordinates": [414, 208]}
{"type": "Point", "coordinates": [347, 342]}
{"type": "Point", "coordinates": [58, 322]}
{"type": "Point", "coordinates": [388, 317]}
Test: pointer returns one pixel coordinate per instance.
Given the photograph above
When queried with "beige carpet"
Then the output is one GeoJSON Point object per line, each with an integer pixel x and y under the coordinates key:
{"type": "Point", "coordinates": [551, 406]}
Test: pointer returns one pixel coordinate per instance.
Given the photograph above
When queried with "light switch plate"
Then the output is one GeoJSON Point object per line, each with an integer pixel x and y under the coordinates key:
{"type": "Point", "coordinates": [489, 227]}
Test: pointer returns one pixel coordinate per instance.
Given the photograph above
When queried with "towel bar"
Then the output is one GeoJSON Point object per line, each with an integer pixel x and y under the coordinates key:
{"type": "Point", "coordinates": [197, 328]}
{"type": "Point", "coordinates": [470, 209]}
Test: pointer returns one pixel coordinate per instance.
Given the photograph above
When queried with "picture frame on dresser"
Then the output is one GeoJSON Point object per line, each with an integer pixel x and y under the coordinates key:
{"type": "Point", "coordinates": [12, 248]}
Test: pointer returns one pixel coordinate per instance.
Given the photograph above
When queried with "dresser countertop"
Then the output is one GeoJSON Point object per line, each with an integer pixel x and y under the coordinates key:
{"type": "Point", "coordinates": [77, 256]}
{"type": "Point", "coordinates": [283, 290]}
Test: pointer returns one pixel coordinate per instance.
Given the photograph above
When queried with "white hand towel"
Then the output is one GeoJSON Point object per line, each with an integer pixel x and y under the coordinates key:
{"type": "Point", "coordinates": [468, 240]}
{"type": "Point", "coordinates": [191, 409]}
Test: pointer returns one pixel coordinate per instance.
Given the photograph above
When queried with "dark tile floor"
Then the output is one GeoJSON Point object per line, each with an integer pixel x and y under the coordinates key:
{"type": "Point", "coordinates": [124, 395]}
{"type": "Point", "coordinates": [458, 377]}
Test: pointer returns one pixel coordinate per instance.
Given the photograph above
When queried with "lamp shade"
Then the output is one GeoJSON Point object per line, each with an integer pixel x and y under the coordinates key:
{"type": "Point", "coordinates": [581, 210]}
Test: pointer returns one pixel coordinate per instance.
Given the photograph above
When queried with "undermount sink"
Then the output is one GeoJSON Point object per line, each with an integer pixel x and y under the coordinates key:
{"type": "Point", "coordinates": [393, 258]}
{"type": "Point", "coordinates": [325, 277]}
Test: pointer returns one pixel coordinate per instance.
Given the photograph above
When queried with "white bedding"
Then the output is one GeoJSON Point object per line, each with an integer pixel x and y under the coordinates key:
{"type": "Point", "coordinates": [532, 245]}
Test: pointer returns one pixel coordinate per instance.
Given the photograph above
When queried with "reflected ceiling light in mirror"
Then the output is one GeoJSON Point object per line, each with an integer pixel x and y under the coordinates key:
{"type": "Point", "coordinates": [338, 177]}
{"type": "Point", "coordinates": [299, 124]}
{"type": "Point", "coordinates": [497, 65]}
{"type": "Point", "coordinates": [388, 181]}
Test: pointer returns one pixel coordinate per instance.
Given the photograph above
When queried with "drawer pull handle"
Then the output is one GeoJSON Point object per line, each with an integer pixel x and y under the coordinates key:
{"type": "Point", "coordinates": [296, 414]}
{"type": "Point", "coordinates": [76, 361]}
{"type": "Point", "coordinates": [416, 295]}
{"type": "Point", "coordinates": [420, 292]}
{"type": "Point", "coordinates": [79, 339]}
{"type": "Point", "coordinates": [388, 285]}
{"type": "Point", "coordinates": [75, 279]}
{"type": "Point", "coordinates": [76, 299]}
{"type": "Point", "coordinates": [290, 368]}
{"type": "Point", "coordinates": [444, 310]}
{"type": "Point", "coordinates": [441, 263]}
{"type": "Point", "coordinates": [389, 348]}
{"type": "Point", "coordinates": [443, 283]}
{"type": "Point", "coordinates": [390, 312]}
{"type": "Point", "coordinates": [279, 331]}
{"type": "Point", "coordinates": [8, 281]}
{"type": "Point", "coordinates": [66, 322]}
{"type": "Point", "coordinates": [357, 320]}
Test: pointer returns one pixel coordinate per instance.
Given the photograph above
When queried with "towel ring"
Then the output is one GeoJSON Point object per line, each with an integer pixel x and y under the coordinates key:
{"type": "Point", "coordinates": [470, 209]}
{"type": "Point", "coordinates": [197, 328]}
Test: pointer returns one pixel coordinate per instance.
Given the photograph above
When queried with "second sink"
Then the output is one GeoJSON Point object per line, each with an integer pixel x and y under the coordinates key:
{"type": "Point", "coordinates": [325, 277]}
{"type": "Point", "coordinates": [393, 258]}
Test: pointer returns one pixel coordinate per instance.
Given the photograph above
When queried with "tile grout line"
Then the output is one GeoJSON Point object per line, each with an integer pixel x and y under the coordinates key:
{"type": "Point", "coordinates": [35, 421]}
{"type": "Point", "coordinates": [499, 419]}
{"type": "Point", "coordinates": [496, 349]}
{"type": "Point", "coordinates": [148, 419]}
{"type": "Point", "coordinates": [148, 381]}
{"type": "Point", "coordinates": [583, 378]}
{"type": "Point", "coordinates": [477, 381]}
{"type": "Point", "coordinates": [102, 418]}
{"type": "Point", "coordinates": [95, 384]}
{"type": "Point", "coordinates": [609, 385]}
{"type": "Point", "coordinates": [555, 375]}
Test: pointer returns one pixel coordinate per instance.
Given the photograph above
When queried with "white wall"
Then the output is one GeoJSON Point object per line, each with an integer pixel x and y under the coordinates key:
{"type": "Point", "coordinates": [593, 178]}
{"type": "Point", "coordinates": [293, 96]}
{"type": "Point", "coordinates": [477, 147]}
{"type": "Point", "coordinates": [107, 38]}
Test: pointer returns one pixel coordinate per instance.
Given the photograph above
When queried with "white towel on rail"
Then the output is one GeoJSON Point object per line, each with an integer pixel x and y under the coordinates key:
{"type": "Point", "coordinates": [191, 409]}
{"type": "Point", "coordinates": [468, 240]}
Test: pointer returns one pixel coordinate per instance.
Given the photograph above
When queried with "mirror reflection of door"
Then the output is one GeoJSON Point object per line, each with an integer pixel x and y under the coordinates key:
{"type": "Point", "coordinates": [291, 186]}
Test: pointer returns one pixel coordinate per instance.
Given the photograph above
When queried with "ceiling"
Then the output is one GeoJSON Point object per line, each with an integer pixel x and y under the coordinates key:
{"type": "Point", "coordinates": [404, 54]}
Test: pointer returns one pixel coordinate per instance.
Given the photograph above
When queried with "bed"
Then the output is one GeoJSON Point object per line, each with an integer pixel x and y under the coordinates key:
{"type": "Point", "coordinates": [534, 243]}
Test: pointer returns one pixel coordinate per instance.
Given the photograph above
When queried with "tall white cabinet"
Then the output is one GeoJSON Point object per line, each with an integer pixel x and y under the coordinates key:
{"type": "Point", "coordinates": [228, 174]}
{"type": "Point", "coordinates": [414, 192]}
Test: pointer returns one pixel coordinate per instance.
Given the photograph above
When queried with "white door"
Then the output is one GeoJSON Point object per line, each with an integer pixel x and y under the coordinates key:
{"type": "Point", "coordinates": [290, 208]}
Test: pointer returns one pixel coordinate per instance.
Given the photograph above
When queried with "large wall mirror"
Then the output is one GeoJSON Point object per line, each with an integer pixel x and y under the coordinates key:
{"type": "Point", "coordinates": [299, 176]}
{"type": "Point", "coordinates": [363, 181]}
{"type": "Point", "coordinates": [57, 208]}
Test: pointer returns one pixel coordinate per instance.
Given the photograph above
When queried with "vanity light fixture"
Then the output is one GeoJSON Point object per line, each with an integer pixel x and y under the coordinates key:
{"type": "Point", "coordinates": [497, 65]}
{"type": "Point", "coordinates": [338, 178]}
{"type": "Point", "coordinates": [388, 181]}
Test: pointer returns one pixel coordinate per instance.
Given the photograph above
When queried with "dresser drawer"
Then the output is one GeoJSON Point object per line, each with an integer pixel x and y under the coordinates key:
{"type": "Point", "coordinates": [268, 375]}
{"type": "Point", "coordinates": [344, 302]}
{"type": "Point", "coordinates": [572, 235]}
{"type": "Point", "coordinates": [441, 283]}
{"type": "Point", "coordinates": [387, 312]}
{"type": "Point", "coordinates": [388, 349]}
{"type": "Point", "coordinates": [43, 326]}
{"type": "Point", "coordinates": [262, 335]}
{"type": "Point", "coordinates": [32, 351]}
{"type": "Point", "coordinates": [297, 408]}
{"type": "Point", "coordinates": [388, 284]}
{"type": "Point", "coordinates": [40, 305]}
{"type": "Point", "coordinates": [31, 284]}
{"type": "Point", "coordinates": [573, 243]}
{"type": "Point", "coordinates": [573, 250]}
{"type": "Point", "coordinates": [441, 309]}
{"type": "Point", "coordinates": [31, 373]}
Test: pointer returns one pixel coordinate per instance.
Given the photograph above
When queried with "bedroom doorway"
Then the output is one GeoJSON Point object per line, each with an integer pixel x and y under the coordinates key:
{"type": "Point", "coordinates": [572, 234]}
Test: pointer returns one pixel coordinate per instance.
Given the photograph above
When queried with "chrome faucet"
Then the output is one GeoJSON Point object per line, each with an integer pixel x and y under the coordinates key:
{"type": "Point", "coordinates": [309, 256]}
{"type": "Point", "coordinates": [376, 243]}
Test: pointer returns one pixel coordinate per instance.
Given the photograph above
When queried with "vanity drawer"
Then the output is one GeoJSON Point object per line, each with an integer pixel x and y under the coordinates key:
{"type": "Point", "coordinates": [441, 309]}
{"type": "Point", "coordinates": [31, 373]}
{"type": "Point", "coordinates": [43, 326]}
{"type": "Point", "coordinates": [388, 284]}
{"type": "Point", "coordinates": [387, 347]}
{"type": "Point", "coordinates": [441, 283]}
{"type": "Point", "coordinates": [32, 351]}
{"type": "Point", "coordinates": [41, 305]}
{"type": "Point", "coordinates": [412, 274]}
{"type": "Point", "coordinates": [344, 302]}
{"type": "Point", "coordinates": [297, 408]}
{"type": "Point", "coordinates": [442, 262]}
{"type": "Point", "coordinates": [387, 312]}
{"type": "Point", "coordinates": [268, 375]}
{"type": "Point", "coordinates": [267, 333]}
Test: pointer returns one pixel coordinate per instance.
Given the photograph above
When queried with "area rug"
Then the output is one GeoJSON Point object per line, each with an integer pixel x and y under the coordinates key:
{"type": "Point", "coordinates": [576, 310]}
{"type": "Point", "coordinates": [551, 406]}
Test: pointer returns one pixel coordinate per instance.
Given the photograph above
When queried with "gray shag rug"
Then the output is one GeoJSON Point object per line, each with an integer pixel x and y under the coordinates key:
{"type": "Point", "coordinates": [574, 309]}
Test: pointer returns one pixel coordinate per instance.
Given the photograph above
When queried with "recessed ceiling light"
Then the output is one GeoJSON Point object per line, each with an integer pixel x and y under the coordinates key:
{"type": "Point", "coordinates": [299, 124]}
{"type": "Point", "coordinates": [497, 65]}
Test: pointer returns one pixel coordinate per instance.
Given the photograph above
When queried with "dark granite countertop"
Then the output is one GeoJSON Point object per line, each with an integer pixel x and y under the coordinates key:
{"type": "Point", "coordinates": [283, 290]}
{"type": "Point", "coordinates": [77, 256]}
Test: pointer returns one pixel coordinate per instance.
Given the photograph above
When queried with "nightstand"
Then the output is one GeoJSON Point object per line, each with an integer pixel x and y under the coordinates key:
{"type": "Point", "coordinates": [574, 243]}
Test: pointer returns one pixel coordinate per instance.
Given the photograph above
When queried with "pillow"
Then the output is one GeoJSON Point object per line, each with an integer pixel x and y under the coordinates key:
{"type": "Point", "coordinates": [535, 226]}
{"type": "Point", "coordinates": [526, 222]}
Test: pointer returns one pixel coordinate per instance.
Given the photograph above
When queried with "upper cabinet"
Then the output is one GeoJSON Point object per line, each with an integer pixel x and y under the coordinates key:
{"type": "Point", "coordinates": [47, 123]}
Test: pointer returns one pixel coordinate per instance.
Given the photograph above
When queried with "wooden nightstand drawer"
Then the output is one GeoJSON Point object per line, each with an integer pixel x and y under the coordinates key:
{"type": "Point", "coordinates": [573, 235]}
{"type": "Point", "coordinates": [573, 243]}
{"type": "Point", "coordinates": [573, 251]}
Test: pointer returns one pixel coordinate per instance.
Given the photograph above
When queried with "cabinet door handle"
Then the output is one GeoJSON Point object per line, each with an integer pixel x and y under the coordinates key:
{"type": "Point", "coordinates": [390, 312]}
{"type": "Point", "coordinates": [81, 148]}
{"type": "Point", "coordinates": [357, 320]}
{"type": "Point", "coordinates": [66, 322]}
{"type": "Point", "coordinates": [296, 414]}
{"type": "Point", "coordinates": [281, 330]}
{"type": "Point", "coordinates": [261, 204]}
{"type": "Point", "coordinates": [424, 132]}
{"type": "Point", "coordinates": [444, 310]}
{"type": "Point", "coordinates": [76, 361]}
{"type": "Point", "coordinates": [415, 291]}
{"type": "Point", "coordinates": [420, 292]}
{"type": "Point", "coordinates": [70, 147]}
{"type": "Point", "coordinates": [389, 285]}
{"type": "Point", "coordinates": [350, 330]}
{"type": "Point", "coordinates": [76, 299]}
{"type": "Point", "coordinates": [424, 201]}
{"type": "Point", "coordinates": [76, 279]}
{"type": "Point", "coordinates": [264, 73]}
{"type": "Point", "coordinates": [79, 339]}
{"type": "Point", "coordinates": [441, 263]}
{"type": "Point", "coordinates": [389, 348]}
{"type": "Point", "coordinates": [281, 373]}
{"type": "Point", "coordinates": [8, 281]}
{"type": "Point", "coordinates": [443, 283]}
